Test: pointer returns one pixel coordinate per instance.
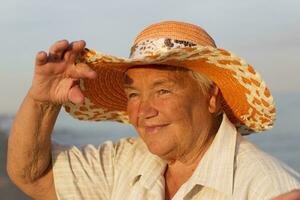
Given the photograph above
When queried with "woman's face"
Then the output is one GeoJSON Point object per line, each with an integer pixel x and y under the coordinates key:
{"type": "Point", "coordinates": [168, 109]}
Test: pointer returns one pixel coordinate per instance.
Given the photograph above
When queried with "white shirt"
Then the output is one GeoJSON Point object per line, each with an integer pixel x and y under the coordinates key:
{"type": "Point", "coordinates": [232, 168]}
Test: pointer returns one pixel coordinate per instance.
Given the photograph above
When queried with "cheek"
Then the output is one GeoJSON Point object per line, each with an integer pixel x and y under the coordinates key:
{"type": "Point", "coordinates": [176, 110]}
{"type": "Point", "coordinates": [132, 110]}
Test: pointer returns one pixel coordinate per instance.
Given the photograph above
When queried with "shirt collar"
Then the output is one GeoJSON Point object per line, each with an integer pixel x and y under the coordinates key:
{"type": "Point", "coordinates": [215, 170]}
{"type": "Point", "coordinates": [151, 167]}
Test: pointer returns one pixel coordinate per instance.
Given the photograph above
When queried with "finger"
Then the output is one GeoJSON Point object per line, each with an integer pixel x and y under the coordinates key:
{"type": "Point", "coordinates": [81, 70]}
{"type": "Point", "coordinates": [292, 195]}
{"type": "Point", "coordinates": [57, 50]}
{"type": "Point", "coordinates": [75, 95]}
{"type": "Point", "coordinates": [75, 48]}
{"type": "Point", "coordinates": [41, 58]}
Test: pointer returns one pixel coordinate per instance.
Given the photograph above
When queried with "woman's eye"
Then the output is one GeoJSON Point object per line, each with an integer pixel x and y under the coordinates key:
{"type": "Point", "coordinates": [131, 95]}
{"type": "Point", "coordinates": [163, 91]}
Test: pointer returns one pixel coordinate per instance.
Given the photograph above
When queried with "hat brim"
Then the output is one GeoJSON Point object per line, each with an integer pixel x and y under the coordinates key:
{"type": "Point", "coordinates": [247, 101]}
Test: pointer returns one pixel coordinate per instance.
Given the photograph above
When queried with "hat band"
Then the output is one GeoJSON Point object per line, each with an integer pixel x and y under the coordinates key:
{"type": "Point", "coordinates": [149, 46]}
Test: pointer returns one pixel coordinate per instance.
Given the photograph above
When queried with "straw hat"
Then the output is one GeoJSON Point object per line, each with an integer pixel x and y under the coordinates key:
{"type": "Point", "coordinates": [246, 100]}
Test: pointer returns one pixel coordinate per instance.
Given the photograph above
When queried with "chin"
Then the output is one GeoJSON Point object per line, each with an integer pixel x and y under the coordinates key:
{"type": "Point", "coordinates": [158, 143]}
{"type": "Point", "coordinates": [158, 149]}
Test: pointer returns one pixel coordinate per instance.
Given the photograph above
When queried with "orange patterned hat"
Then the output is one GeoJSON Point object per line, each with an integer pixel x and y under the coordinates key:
{"type": "Point", "coordinates": [246, 100]}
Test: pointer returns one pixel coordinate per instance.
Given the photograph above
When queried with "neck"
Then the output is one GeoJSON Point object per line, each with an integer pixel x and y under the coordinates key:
{"type": "Point", "coordinates": [180, 170]}
{"type": "Point", "coordinates": [195, 151]}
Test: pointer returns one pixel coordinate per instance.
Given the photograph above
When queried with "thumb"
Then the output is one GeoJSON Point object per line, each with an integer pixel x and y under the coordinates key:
{"type": "Point", "coordinates": [75, 95]}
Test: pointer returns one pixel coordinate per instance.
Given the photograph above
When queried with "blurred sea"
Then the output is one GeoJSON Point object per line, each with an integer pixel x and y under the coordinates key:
{"type": "Point", "coordinates": [283, 141]}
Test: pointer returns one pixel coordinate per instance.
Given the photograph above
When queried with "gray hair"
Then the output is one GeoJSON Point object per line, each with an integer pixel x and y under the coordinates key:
{"type": "Point", "coordinates": [204, 82]}
{"type": "Point", "coordinates": [206, 85]}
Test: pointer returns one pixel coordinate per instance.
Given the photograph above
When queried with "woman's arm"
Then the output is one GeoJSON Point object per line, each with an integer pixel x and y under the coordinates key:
{"type": "Point", "coordinates": [29, 146]}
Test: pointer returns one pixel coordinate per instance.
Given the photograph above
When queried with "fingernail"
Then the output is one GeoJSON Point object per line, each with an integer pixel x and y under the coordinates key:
{"type": "Point", "coordinates": [93, 74]}
{"type": "Point", "coordinates": [64, 40]}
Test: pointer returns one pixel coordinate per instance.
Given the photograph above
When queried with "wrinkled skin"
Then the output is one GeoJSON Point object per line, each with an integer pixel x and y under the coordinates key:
{"type": "Point", "coordinates": [55, 75]}
{"type": "Point", "coordinates": [170, 112]}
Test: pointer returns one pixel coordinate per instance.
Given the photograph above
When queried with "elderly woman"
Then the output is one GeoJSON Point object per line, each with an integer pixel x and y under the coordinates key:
{"type": "Point", "coordinates": [190, 103]}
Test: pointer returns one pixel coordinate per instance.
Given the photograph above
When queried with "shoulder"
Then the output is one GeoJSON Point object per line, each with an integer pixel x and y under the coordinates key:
{"type": "Point", "coordinates": [262, 173]}
{"type": "Point", "coordinates": [125, 147]}
{"type": "Point", "coordinates": [109, 153]}
{"type": "Point", "coordinates": [89, 172]}
{"type": "Point", "coordinates": [130, 145]}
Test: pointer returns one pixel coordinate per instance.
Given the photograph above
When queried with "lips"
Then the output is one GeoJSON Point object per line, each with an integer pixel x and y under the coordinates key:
{"type": "Point", "coordinates": [154, 128]}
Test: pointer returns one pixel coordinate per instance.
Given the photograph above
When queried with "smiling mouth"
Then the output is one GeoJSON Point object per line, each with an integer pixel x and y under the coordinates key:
{"type": "Point", "coordinates": [154, 129]}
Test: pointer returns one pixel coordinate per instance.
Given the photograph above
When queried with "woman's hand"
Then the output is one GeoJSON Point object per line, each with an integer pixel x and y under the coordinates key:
{"type": "Point", "coordinates": [56, 76]}
{"type": "Point", "coordinates": [293, 195]}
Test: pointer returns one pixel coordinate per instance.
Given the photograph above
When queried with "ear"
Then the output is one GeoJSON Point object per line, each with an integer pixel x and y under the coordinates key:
{"type": "Point", "coordinates": [214, 106]}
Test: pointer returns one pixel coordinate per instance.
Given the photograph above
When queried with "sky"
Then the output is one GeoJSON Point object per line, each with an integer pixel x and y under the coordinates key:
{"type": "Point", "coordinates": [265, 33]}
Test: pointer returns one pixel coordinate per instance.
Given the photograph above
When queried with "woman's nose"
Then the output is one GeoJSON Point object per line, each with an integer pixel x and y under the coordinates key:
{"type": "Point", "coordinates": [147, 110]}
